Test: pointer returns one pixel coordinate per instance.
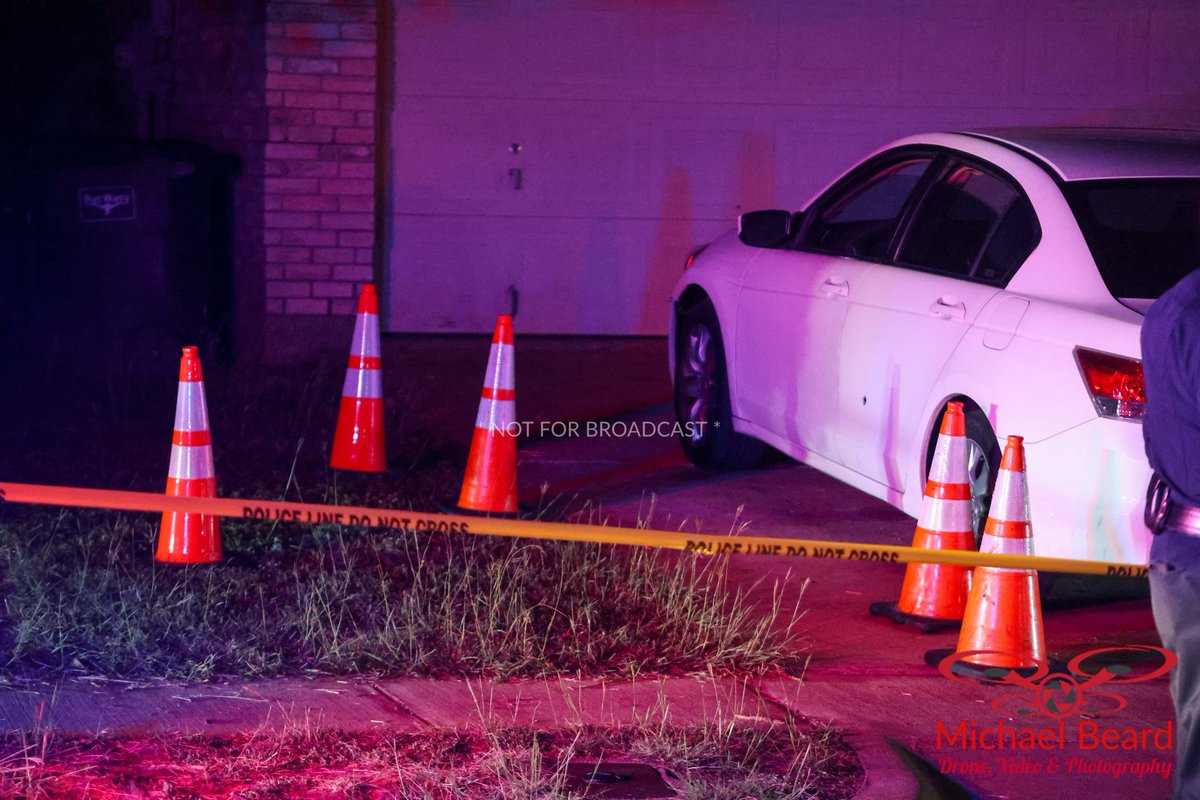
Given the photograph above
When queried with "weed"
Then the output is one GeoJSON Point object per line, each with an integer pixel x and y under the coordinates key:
{"type": "Point", "coordinates": [83, 594]}
{"type": "Point", "coordinates": [492, 764]}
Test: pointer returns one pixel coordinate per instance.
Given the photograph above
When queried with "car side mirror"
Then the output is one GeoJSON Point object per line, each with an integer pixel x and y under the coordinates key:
{"type": "Point", "coordinates": [769, 228]}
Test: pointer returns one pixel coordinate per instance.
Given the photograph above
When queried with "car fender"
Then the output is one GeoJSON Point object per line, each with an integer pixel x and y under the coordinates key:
{"type": "Point", "coordinates": [717, 272]}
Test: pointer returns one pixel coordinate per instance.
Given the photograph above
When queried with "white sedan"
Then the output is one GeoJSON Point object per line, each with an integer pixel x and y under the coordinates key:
{"type": "Point", "coordinates": [1008, 269]}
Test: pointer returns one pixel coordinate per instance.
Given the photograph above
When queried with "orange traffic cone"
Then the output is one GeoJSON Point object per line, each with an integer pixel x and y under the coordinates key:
{"type": "Point", "coordinates": [490, 484]}
{"type": "Point", "coordinates": [1004, 610]}
{"type": "Point", "coordinates": [358, 440]}
{"type": "Point", "coordinates": [934, 596]}
{"type": "Point", "coordinates": [190, 538]}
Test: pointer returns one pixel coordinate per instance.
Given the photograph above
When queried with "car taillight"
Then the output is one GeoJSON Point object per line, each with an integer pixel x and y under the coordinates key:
{"type": "Point", "coordinates": [693, 255]}
{"type": "Point", "coordinates": [1114, 382]}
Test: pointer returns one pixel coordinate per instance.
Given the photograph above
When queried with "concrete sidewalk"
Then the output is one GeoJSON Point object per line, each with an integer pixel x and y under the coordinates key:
{"type": "Point", "coordinates": [89, 707]}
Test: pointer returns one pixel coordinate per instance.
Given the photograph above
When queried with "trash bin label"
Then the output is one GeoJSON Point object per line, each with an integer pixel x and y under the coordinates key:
{"type": "Point", "coordinates": [107, 204]}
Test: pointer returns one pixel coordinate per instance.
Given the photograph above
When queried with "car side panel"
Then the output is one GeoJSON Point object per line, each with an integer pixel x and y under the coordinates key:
{"type": "Point", "coordinates": [898, 337]}
{"type": "Point", "coordinates": [1087, 475]}
{"type": "Point", "coordinates": [791, 314]}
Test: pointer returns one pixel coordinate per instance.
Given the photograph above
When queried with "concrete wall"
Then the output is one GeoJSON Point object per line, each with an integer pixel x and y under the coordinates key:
{"type": "Point", "coordinates": [767, 99]}
{"type": "Point", "coordinates": [645, 127]}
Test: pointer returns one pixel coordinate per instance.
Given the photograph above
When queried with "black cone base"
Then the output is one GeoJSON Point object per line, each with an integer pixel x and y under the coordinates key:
{"type": "Point", "coordinates": [891, 610]}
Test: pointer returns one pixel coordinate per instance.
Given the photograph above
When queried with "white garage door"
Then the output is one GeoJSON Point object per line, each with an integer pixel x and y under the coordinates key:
{"type": "Point", "coordinates": [572, 152]}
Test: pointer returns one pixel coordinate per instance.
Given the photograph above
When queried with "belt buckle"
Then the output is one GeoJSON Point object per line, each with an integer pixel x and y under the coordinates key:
{"type": "Point", "coordinates": [1158, 504]}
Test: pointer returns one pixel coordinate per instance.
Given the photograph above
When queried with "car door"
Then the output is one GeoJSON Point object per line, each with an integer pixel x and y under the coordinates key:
{"type": "Point", "coordinates": [793, 303]}
{"type": "Point", "coordinates": [964, 238]}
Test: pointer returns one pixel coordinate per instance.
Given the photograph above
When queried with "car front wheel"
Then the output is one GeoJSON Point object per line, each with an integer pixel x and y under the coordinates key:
{"type": "Point", "coordinates": [702, 396]}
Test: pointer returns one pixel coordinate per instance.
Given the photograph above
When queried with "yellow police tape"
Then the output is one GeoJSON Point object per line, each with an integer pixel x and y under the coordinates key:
{"type": "Point", "coordinates": [315, 514]}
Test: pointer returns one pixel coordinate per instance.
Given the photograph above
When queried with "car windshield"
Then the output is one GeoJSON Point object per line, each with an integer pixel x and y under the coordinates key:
{"type": "Point", "coordinates": [1144, 233]}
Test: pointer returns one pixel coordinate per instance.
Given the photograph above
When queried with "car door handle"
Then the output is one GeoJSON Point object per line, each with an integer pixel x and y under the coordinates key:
{"type": "Point", "coordinates": [948, 309]}
{"type": "Point", "coordinates": [835, 286]}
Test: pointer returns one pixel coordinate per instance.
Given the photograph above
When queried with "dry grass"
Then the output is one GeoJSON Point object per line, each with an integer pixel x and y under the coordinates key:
{"type": "Point", "coordinates": [791, 759]}
{"type": "Point", "coordinates": [83, 594]}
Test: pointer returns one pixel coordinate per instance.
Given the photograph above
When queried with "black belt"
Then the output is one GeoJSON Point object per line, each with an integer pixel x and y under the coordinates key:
{"type": "Point", "coordinates": [1183, 518]}
{"type": "Point", "coordinates": [1163, 511]}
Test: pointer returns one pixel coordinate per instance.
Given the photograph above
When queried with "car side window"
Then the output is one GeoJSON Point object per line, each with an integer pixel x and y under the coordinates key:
{"type": "Point", "coordinates": [971, 224]}
{"type": "Point", "coordinates": [859, 219]}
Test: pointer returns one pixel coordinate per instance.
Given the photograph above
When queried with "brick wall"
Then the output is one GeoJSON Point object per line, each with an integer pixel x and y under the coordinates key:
{"type": "Point", "coordinates": [319, 159]}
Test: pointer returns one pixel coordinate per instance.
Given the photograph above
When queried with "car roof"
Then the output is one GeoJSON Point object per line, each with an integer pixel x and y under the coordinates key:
{"type": "Point", "coordinates": [1076, 154]}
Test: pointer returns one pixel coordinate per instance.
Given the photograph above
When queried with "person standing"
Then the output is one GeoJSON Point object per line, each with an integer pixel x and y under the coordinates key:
{"type": "Point", "coordinates": [1171, 366]}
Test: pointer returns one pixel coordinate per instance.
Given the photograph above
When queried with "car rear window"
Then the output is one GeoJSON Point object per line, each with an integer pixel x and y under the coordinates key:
{"type": "Point", "coordinates": [1143, 233]}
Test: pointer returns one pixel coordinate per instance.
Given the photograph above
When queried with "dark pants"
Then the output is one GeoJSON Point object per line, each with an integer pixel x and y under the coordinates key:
{"type": "Point", "coordinates": [1175, 594]}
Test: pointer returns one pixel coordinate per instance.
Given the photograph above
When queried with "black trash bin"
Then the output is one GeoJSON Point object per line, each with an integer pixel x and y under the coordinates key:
{"type": "Point", "coordinates": [113, 255]}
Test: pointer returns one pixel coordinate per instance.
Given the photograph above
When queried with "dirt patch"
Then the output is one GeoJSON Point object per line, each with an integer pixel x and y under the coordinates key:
{"type": "Point", "coordinates": [785, 760]}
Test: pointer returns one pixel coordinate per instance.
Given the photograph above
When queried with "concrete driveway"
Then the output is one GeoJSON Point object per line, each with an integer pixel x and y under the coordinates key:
{"type": "Point", "coordinates": [867, 672]}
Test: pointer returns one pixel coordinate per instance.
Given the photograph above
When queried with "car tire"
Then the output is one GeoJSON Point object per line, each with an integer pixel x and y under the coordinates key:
{"type": "Point", "coordinates": [702, 395]}
{"type": "Point", "coordinates": [983, 462]}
